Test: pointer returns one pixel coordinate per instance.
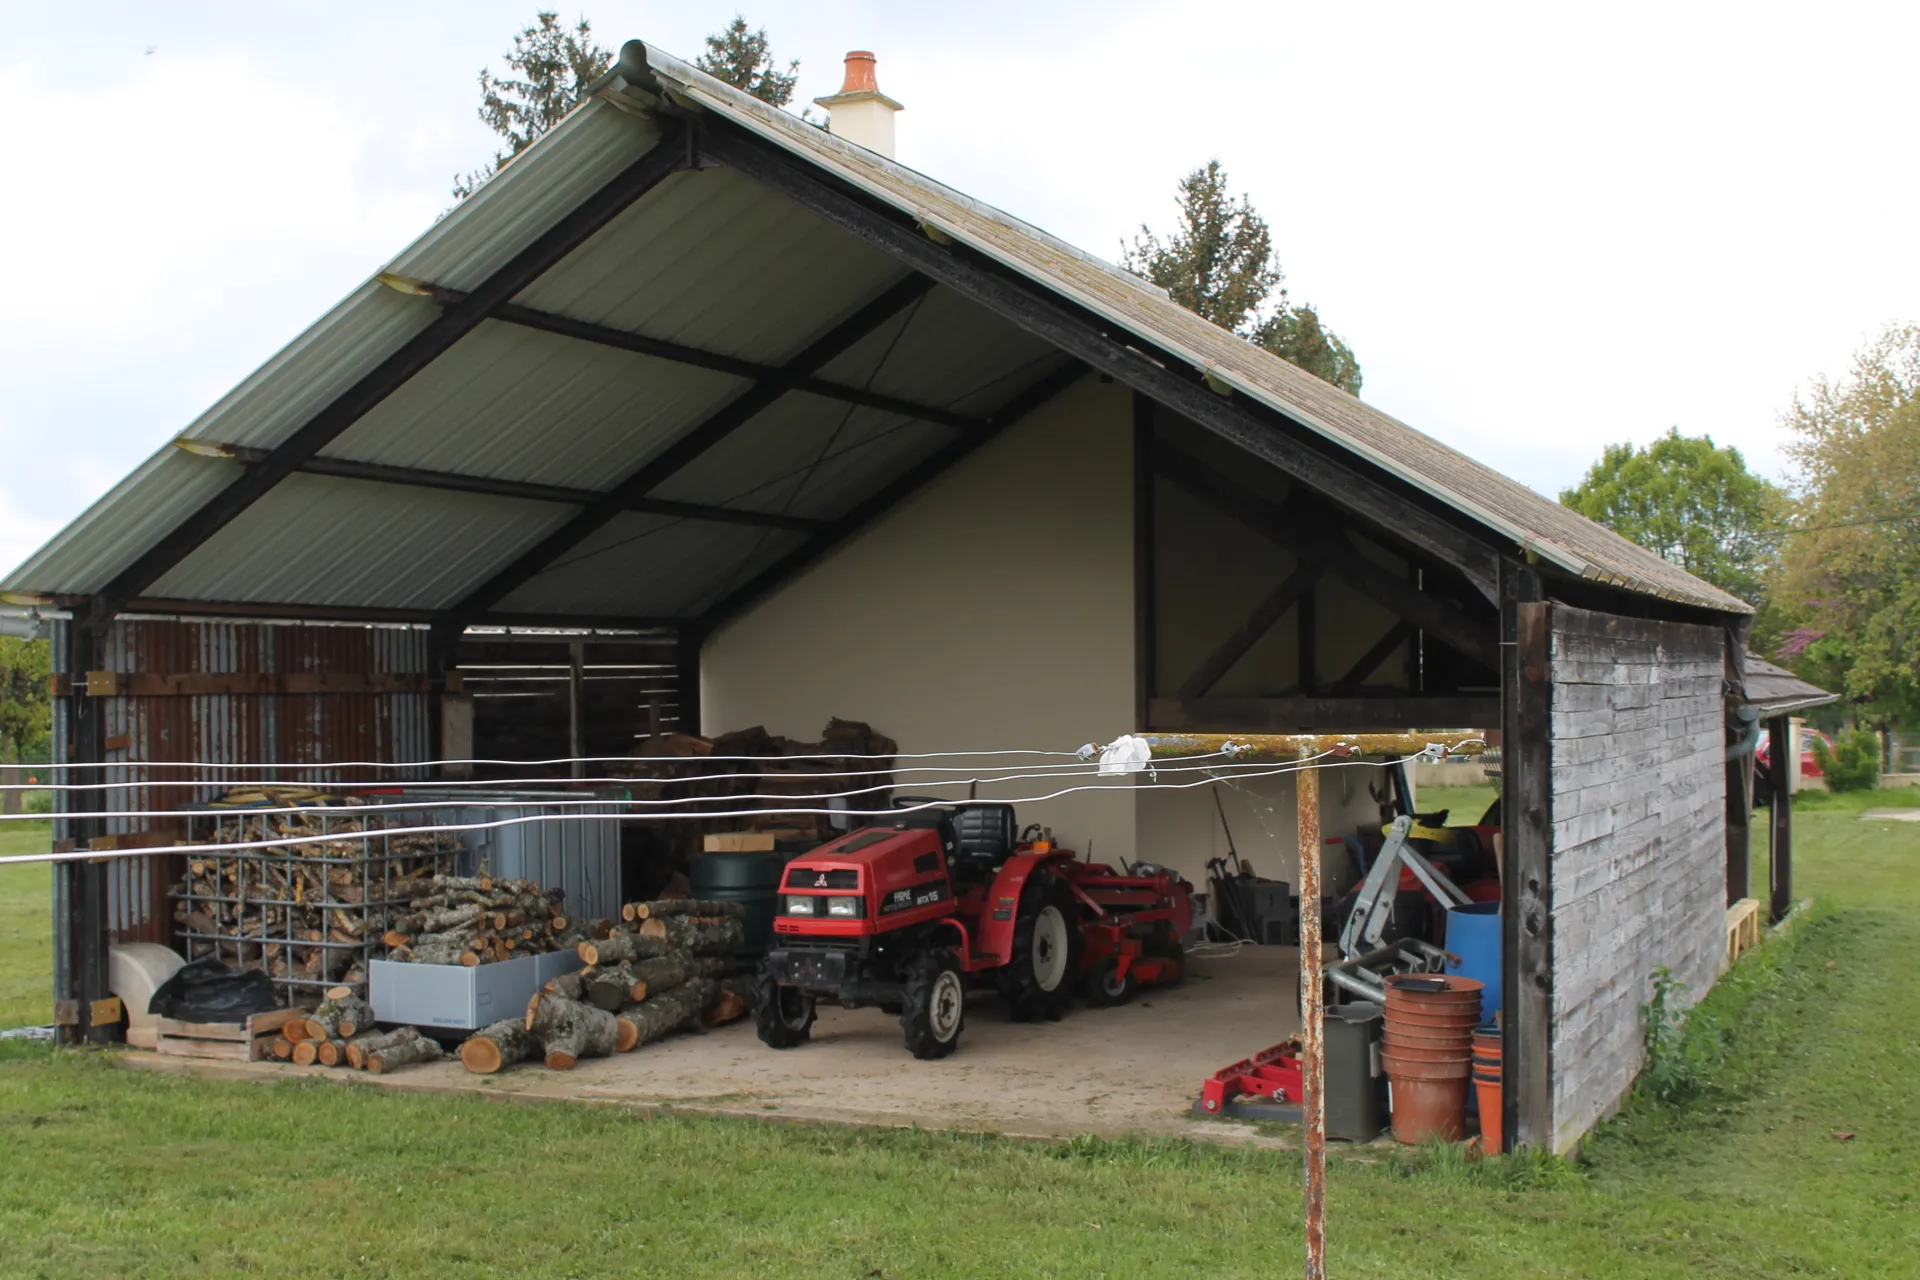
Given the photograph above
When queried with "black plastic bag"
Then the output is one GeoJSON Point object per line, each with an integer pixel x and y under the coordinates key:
{"type": "Point", "coordinates": [210, 991]}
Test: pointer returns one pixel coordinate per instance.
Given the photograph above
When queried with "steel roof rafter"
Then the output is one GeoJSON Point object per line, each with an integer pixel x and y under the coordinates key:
{"type": "Point", "coordinates": [1167, 380]}
{"type": "Point", "coordinates": [573, 229]}
{"type": "Point", "coordinates": [457, 482]}
{"type": "Point", "coordinates": [691, 445]}
{"type": "Point", "coordinates": [679, 353]}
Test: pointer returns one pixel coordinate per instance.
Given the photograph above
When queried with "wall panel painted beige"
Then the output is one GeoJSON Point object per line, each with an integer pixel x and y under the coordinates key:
{"type": "Point", "coordinates": [1181, 829]}
{"type": "Point", "coordinates": [993, 609]}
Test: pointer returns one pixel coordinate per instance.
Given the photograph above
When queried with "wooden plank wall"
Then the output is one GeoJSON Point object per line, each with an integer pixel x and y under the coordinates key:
{"type": "Point", "coordinates": [1639, 841]}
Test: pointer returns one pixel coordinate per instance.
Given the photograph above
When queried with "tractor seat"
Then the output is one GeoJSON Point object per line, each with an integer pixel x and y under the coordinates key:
{"type": "Point", "coordinates": [986, 835]}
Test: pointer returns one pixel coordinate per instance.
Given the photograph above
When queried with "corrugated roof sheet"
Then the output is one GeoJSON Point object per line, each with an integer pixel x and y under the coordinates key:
{"type": "Point", "coordinates": [1535, 522]}
{"type": "Point", "coordinates": [710, 260]}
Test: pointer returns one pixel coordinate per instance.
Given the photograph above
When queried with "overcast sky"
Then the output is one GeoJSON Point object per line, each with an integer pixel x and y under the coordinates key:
{"type": "Point", "coordinates": [1541, 227]}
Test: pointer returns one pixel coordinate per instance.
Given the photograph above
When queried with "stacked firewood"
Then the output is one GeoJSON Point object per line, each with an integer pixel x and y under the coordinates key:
{"type": "Point", "coordinates": [666, 967]}
{"type": "Point", "coordinates": [341, 1033]}
{"type": "Point", "coordinates": [472, 920]}
{"type": "Point", "coordinates": [312, 912]}
{"type": "Point", "coordinates": [707, 774]}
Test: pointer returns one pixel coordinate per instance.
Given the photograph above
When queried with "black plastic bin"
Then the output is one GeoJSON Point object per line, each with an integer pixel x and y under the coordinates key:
{"type": "Point", "coordinates": [1356, 1082]}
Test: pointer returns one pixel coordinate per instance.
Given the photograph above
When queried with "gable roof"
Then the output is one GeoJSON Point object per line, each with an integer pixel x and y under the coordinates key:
{"type": "Point", "coordinates": [706, 261]}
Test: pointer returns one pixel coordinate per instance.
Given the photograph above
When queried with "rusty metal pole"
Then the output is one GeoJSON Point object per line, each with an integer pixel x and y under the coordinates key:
{"type": "Point", "coordinates": [1313, 1110]}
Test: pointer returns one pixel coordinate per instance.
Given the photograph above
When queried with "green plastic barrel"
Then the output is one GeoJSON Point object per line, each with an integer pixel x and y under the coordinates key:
{"type": "Point", "coordinates": [750, 879]}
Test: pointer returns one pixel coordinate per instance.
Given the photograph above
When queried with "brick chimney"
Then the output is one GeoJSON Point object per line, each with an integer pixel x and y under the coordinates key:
{"type": "Point", "coordinates": [860, 113]}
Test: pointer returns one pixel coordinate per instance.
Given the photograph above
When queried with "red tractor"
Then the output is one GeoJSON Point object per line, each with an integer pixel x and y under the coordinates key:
{"type": "Point", "coordinates": [909, 916]}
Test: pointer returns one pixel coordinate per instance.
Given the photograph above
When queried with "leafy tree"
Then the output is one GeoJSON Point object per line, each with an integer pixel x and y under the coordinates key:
{"type": "Point", "coordinates": [1690, 502]}
{"type": "Point", "coordinates": [26, 707]}
{"type": "Point", "coordinates": [1848, 588]}
{"type": "Point", "coordinates": [549, 70]}
{"type": "Point", "coordinates": [743, 58]}
{"type": "Point", "coordinates": [1219, 263]}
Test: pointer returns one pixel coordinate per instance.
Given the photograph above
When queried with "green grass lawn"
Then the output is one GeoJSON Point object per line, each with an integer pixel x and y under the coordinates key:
{"type": "Point", "coordinates": [115, 1172]}
{"type": "Point", "coordinates": [26, 928]}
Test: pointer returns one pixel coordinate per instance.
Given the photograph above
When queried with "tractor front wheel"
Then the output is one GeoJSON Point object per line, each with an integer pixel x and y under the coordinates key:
{"type": "Point", "coordinates": [935, 1005]}
{"type": "Point", "coordinates": [782, 1015]}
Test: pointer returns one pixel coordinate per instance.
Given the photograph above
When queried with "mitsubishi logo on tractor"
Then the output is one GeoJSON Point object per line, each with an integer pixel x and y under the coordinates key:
{"type": "Point", "coordinates": [821, 883]}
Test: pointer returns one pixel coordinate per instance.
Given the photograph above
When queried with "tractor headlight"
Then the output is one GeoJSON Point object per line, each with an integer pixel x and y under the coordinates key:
{"type": "Point", "coordinates": [799, 906]}
{"type": "Point", "coordinates": [847, 907]}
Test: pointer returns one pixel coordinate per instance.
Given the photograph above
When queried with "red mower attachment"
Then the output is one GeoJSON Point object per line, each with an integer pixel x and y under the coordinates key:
{"type": "Point", "coordinates": [1271, 1073]}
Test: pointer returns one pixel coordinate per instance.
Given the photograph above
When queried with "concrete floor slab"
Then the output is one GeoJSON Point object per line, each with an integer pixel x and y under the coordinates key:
{"type": "Point", "coordinates": [1133, 1069]}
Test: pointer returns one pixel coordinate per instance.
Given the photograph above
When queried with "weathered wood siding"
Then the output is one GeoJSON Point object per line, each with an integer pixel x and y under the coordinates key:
{"type": "Point", "coordinates": [1639, 841]}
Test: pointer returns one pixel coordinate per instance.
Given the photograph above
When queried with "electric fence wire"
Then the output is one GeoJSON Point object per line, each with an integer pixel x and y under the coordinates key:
{"type": "Point", "coordinates": [643, 804]}
{"type": "Point", "coordinates": [1318, 761]}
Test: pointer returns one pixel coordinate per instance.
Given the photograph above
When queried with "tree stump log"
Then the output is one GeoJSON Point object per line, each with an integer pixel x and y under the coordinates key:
{"type": "Point", "coordinates": [360, 1046]}
{"type": "Point", "coordinates": [651, 977]}
{"type": "Point", "coordinates": [713, 907]}
{"type": "Point", "coordinates": [569, 1031]}
{"type": "Point", "coordinates": [621, 947]}
{"type": "Point", "coordinates": [697, 935]}
{"type": "Point", "coordinates": [735, 1001]}
{"type": "Point", "coordinates": [331, 1053]}
{"type": "Point", "coordinates": [656, 1016]}
{"type": "Point", "coordinates": [406, 1053]}
{"type": "Point", "coordinates": [500, 1045]}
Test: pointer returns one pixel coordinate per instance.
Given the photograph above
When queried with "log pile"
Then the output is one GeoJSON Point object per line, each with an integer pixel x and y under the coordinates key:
{"type": "Point", "coordinates": [473, 920]}
{"type": "Point", "coordinates": [366, 1048]}
{"type": "Point", "coordinates": [667, 967]}
{"type": "Point", "coordinates": [312, 914]}
{"type": "Point", "coordinates": [854, 758]}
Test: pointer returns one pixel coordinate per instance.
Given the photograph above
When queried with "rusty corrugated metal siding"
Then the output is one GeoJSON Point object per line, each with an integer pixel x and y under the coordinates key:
{"type": "Point", "coordinates": [179, 731]}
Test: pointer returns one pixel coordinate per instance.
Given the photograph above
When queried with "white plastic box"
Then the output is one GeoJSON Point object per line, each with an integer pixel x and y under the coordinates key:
{"type": "Point", "coordinates": [460, 998]}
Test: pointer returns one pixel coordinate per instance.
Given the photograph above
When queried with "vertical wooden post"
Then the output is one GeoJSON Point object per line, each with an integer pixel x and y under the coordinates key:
{"type": "Point", "coordinates": [1313, 1022]}
{"type": "Point", "coordinates": [1526, 912]}
{"type": "Point", "coordinates": [1780, 762]}
{"type": "Point", "coordinates": [1145, 658]}
{"type": "Point", "coordinates": [576, 712]}
{"type": "Point", "coordinates": [1739, 770]}
{"type": "Point", "coordinates": [1307, 616]}
{"type": "Point", "coordinates": [687, 678]}
{"type": "Point", "coordinates": [84, 900]}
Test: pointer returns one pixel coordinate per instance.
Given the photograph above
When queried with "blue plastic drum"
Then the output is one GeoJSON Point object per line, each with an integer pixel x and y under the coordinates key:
{"type": "Point", "coordinates": [1473, 934]}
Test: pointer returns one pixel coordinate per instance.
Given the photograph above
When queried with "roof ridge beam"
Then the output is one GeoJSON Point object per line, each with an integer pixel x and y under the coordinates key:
{"type": "Point", "coordinates": [488, 486]}
{"type": "Point", "coordinates": [1165, 379]}
{"type": "Point", "coordinates": [666, 158]}
{"type": "Point", "coordinates": [677, 456]}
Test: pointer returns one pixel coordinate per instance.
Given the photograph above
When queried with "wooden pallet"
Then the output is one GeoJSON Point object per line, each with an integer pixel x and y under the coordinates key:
{"type": "Point", "coordinates": [1743, 928]}
{"type": "Point", "coordinates": [249, 1041]}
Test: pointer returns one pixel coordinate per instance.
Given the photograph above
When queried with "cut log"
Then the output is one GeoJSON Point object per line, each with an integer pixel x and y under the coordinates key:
{"type": "Point", "coordinates": [331, 1053]}
{"type": "Point", "coordinates": [715, 907]}
{"type": "Point", "coordinates": [572, 985]}
{"type": "Point", "coordinates": [306, 1052]}
{"type": "Point", "coordinates": [406, 1053]}
{"type": "Point", "coordinates": [701, 936]}
{"type": "Point", "coordinates": [735, 1001]}
{"type": "Point", "coordinates": [609, 987]}
{"type": "Point", "coordinates": [651, 977]}
{"type": "Point", "coordinates": [283, 1049]}
{"type": "Point", "coordinates": [658, 1015]}
{"type": "Point", "coordinates": [621, 947]}
{"type": "Point", "coordinates": [502, 1044]}
{"type": "Point", "coordinates": [360, 1046]}
{"type": "Point", "coordinates": [569, 1031]}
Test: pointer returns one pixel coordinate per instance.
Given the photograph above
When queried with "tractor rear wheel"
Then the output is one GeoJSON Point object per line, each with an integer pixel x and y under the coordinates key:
{"type": "Point", "coordinates": [782, 1015]}
{"type": "Point", "coordinates": [1046, 951]}
{"type": "Point", "coordinates": [935, 1006]}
